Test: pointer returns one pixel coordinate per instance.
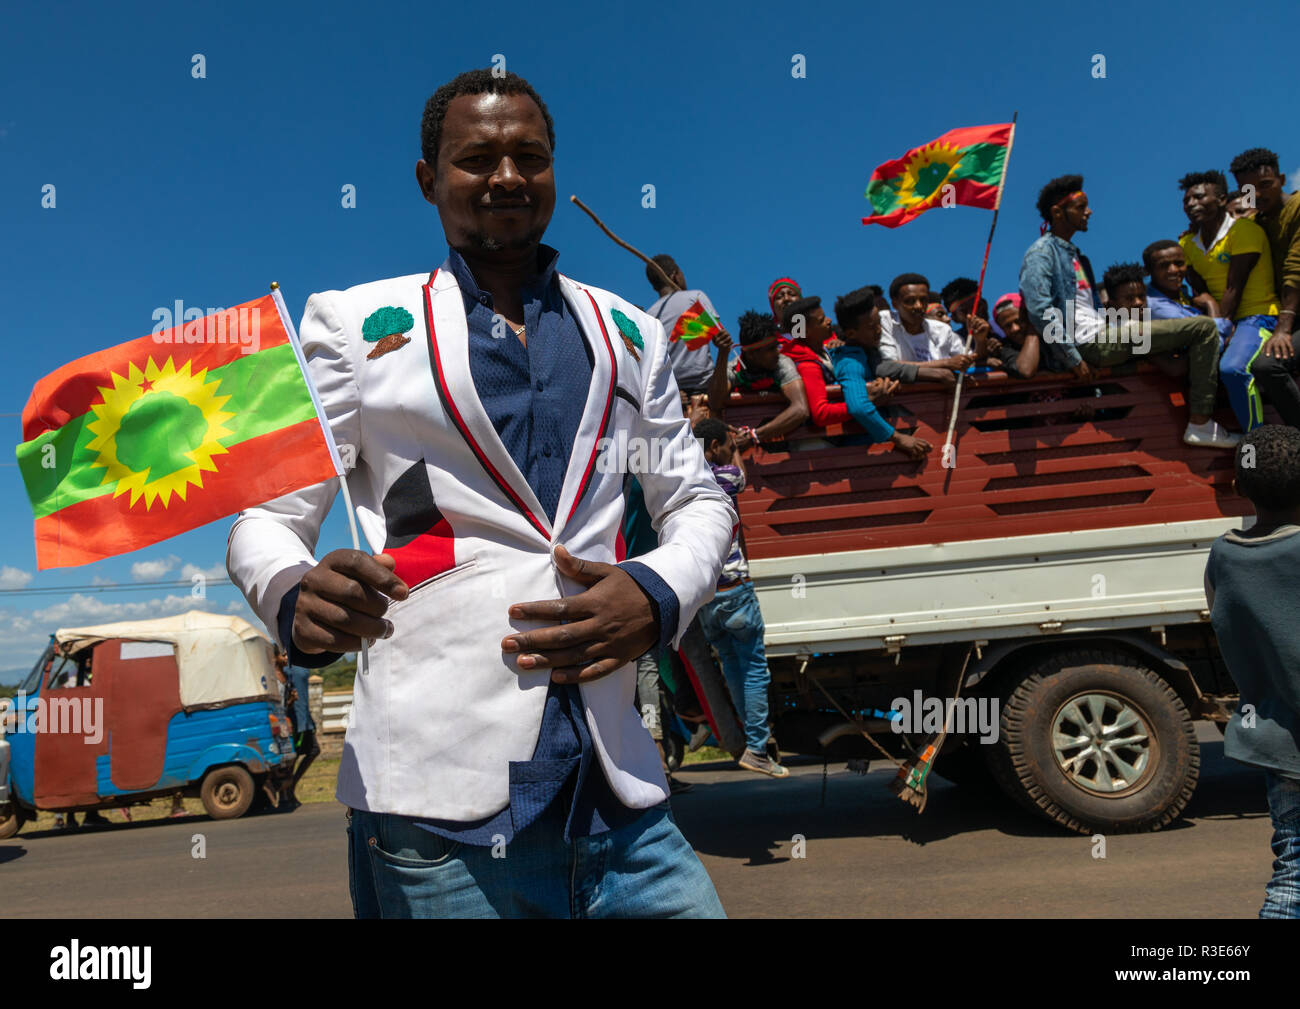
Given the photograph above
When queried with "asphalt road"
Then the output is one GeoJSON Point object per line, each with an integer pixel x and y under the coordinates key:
{"type": "Point", "coordinates": [866, 854]}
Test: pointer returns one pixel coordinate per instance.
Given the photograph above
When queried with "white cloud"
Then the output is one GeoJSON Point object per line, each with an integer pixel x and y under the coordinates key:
{"type": "Point", "coordinates": [13, 578]}
{"type": "Point", "coordinates": [215, 573]}
{"type": "Point", "coordinates": [101, 580]}
{"type": "Point", "coordinates": [150, 571]}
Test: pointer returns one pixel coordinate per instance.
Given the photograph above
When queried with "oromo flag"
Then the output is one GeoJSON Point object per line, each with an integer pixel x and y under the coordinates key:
{"type": "Point", "coordinates": [695, 327]}
{"type": "Point", "coordinates": [970, 159]}
{"type": "Point", "coordinates": [149, 439]}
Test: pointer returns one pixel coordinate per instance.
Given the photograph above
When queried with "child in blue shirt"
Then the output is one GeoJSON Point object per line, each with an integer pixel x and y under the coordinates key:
{"type": "Point", "coordinates": [858, 319]}
{"type": "Point", "coordinates": [1251, 582]}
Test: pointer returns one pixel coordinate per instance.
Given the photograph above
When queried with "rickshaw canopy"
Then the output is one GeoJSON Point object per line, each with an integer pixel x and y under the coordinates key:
{"type": "Point", "coordinates": [219, 658]}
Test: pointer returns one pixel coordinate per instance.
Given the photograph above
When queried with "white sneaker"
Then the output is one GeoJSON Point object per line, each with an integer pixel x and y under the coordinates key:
{"type": "Point", "coordinates": [1211, 434]}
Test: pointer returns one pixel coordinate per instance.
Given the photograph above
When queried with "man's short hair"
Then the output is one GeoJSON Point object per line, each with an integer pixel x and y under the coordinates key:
{"type": "Point", "coordinates": [903, 280]}
{"type": "Point", "coordinates": [957, 289]}
{"type": "Point", "coordinates": [1236, 194]}
{"type": "Point", "coordinates": [473, 82]}
{"type": "Point", "coordinates": [666, 263]}
{"type": "Point", "coordinates": [800, 307]}
{"type": "Point", "coordinates": [1213, 177]}
{"type": "Point", "coordinates": [1055, 191]}
{"type": "Point", "coordinates": [754, 327]}
{"type": "Point", "coordinates": [1253, 160]}
{"type": "Point", "coordinates": [851, 308]}
{"type": "Point", "coordinates": [1120, 274]}
{"type": "Point", "coordinates": [709, 430]}
{"type": "Point", "coordinates": [1149, 253]}
{"type": "Point", "coordinates": [1273, 481]}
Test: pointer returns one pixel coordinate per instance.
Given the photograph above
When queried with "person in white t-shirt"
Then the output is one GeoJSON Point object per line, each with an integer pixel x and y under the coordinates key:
{"type": "Point", "coordinates": [907, 334]}
{"type": "Point", "coordinates": [689, 357]}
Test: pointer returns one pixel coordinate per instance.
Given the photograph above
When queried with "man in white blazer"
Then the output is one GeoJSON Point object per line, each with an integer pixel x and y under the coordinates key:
{"type": "Point", "coordinates": [488, 413]}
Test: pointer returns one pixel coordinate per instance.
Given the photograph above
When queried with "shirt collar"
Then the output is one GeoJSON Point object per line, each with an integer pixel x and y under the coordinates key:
{"type": "Point", "coordinates": [472, 294]}
{"type": "Point", "coordinates": [1228, 222]}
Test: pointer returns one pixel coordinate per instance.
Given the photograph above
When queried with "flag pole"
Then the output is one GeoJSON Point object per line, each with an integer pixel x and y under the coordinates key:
{"type": "Point", "coordinates": [979, 289]}
{"type": "Point", "coordinates": [280, 307]}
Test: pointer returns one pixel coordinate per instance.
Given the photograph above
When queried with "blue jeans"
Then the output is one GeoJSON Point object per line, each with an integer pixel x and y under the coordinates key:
{"type": "Point", "coordinates": [733, 624]}
{"type": "Point", "coordinates": [1248, 337]}
{"type": "Point", "coordinates": [1282, 894]}
{"type": "Point", "coordinates": [643, 870]}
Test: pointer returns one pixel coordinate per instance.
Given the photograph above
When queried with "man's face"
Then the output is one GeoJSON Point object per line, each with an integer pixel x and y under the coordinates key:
{"type": "Point", "coordinates": [1074, 214]}
{"type": "Point", "coordinates": [935, 310]}
{"type": "Point", "coordinates": [1130, 295]}
{"type": "Point", "coordinates": [911, 302]}
{"type": "Point", "coordinates": [1268, 188]}
{"type": "Point", "coordinates": [866, 332]}
{"type": "Point", "coordinates": [1168, 268]}
{"type": "Point", "coordinates": [819, 327]}
{"type": "Point", "coordinates": [1204, 203]}
{"type": "Point", "coordinates": [763, 355]}
{"type": "Point", "coordinates": [1237, 209]}
{"type": "Point", "coordinates": [1008, 320]}
{"type": "Point", "coordinates": [959, 310]}
{"type": "Point", "coordinates": [784, 296]}
{"type": "Point", "coordinates": [492, 184]}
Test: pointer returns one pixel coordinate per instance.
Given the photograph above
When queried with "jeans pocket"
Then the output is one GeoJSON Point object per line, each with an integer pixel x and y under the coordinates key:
{"type": "Point", "coordinates": [403, 843]}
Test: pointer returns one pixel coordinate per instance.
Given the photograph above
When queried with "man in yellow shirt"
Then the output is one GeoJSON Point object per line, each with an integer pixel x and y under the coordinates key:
{"type": "Point", "coordinates": [1230, 259]}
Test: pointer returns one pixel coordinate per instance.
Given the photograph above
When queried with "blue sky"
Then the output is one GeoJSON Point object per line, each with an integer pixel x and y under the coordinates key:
{"type": "Point", "coordinates": [204, 190]}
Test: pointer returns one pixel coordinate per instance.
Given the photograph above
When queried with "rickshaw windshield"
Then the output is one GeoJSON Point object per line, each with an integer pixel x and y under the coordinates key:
{"type": "Point", "coordinates": [33, 681]}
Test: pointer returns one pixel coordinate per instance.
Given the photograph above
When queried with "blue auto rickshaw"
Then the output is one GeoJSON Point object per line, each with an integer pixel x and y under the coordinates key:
{"type": "Point", "coordinates": [120, 714]}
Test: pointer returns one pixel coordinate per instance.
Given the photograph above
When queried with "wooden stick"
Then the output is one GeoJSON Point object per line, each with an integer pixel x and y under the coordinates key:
{"type": "Point", "coordinates": [618, 241]}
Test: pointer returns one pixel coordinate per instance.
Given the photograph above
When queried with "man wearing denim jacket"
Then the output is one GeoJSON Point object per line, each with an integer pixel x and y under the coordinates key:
{"type": "Point", "coordinates": [1056, 282]}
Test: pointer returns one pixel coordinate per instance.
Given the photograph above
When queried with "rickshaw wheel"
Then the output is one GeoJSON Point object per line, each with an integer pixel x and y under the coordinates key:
{"type": "Point", "coordinates": [227, 792]}
{"type": "Point", "coordinates": [11, 822]}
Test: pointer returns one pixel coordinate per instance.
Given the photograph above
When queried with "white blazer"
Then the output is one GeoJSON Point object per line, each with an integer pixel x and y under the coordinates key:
{"type": "Point", "coordinates": [443, 711]}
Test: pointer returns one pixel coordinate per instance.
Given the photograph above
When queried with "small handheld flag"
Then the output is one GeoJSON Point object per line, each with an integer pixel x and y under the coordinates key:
{"type": "Point", "coordinates": [964, 167]}
{"type": "Point", "coordinates": [132, 445]}
{"type": "Point", "coordinates": [695, 327]}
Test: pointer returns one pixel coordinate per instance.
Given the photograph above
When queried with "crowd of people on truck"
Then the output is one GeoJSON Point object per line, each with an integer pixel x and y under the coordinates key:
{"type": "Point", "coordinates": [1216, 304]}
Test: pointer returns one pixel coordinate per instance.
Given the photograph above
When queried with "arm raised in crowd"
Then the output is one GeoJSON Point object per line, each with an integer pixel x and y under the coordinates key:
{"type": "Point", "coordinates": [719, 381]}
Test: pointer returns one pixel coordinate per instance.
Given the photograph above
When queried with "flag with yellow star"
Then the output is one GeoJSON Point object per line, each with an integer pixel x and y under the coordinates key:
{"type": "Point", "coordinates": [964, 167]}
{"type": "Point", "coordinates": [149, 439]}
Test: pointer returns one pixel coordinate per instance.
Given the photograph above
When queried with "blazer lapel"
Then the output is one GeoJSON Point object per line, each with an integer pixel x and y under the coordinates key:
{"type": "Point", "coordinates": [448, 335]}
{"type": "Point", "coordinates": [597, 330]}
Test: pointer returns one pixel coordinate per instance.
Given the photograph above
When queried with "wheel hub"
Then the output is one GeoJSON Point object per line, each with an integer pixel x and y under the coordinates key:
{"type": "Point", "coordinates": [1103, 743]}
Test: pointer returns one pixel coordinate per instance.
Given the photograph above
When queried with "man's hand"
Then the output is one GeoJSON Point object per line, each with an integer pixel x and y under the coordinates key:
{"type": "Point", "coordinates": [881, 390]}
{"type": "Point", "coordinates": [1280, 346]}
{"type": "Point", "coordinates": [722, 340]}
{"type": "Point", "coordinates": [913, 448]}
{"type": "Point", "coordinates": [599, 630]}
{"type": "Point", "coordinates": [1081, 371]}
{"type": "Point", "coordinates": [342, 600]}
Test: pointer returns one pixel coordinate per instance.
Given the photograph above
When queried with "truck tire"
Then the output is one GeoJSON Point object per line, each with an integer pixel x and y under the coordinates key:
{"type": "Point", "coordinates": [11, 820]}
{"type": "Point", "coordinates": [227, 792]}
{"type": "Point", "coordinates": [1096, 742]}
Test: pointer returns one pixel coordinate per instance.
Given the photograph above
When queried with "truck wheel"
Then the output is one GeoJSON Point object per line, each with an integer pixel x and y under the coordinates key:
{"type": "Point", "coordinates": [227, 792]}
{"type": "Point", "coordinates": [11, 820]}
{"type": "Point", "coordinates": [1094, 741]}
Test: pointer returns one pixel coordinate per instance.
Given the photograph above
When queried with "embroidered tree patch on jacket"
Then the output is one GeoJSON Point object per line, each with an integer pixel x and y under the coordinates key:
{"type": "Point", "coordinates": [628, 331]}
{"type": "Point", "coordinates": [386, 328]}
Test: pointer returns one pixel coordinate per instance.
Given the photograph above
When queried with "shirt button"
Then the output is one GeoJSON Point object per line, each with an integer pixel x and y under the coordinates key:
{"type": "Point", "coordinates": [539, 386]}
{"type": "Point", "coordinates": [484, 298]}
{"type": "Point", "coordinates": [546, 451]}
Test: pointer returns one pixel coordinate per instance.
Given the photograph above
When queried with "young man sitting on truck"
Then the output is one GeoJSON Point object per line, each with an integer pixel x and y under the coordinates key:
{"type": "Point", "coordinates": [1167, 295]}
{"type": "Point", "coordinates": [760, 367]}
{"type": "Point", "coordinates": [1251, 580]}
{"type": "Point", "coordinates": [1062, 305]}
{"type": "Point", "coordinates": [810, 333]}
{"type": "Point", "coordinates": [1016, 352]}
{"type": "Point", "coordinates": [732, 620]}
{"type": "Point", "coordinates": [1230, 259]}
{"type": "Point", "coordinates": [908, 335]}
{"type": "Point", "coordinates": [859, 322]}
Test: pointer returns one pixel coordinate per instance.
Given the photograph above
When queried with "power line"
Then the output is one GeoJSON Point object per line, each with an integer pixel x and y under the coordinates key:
{"type": "Point", "coordinates": [135, 587]}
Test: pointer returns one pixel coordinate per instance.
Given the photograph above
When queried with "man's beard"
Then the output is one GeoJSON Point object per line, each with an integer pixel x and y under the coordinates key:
{"type": "Point", "coordinates": [484, 242]}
